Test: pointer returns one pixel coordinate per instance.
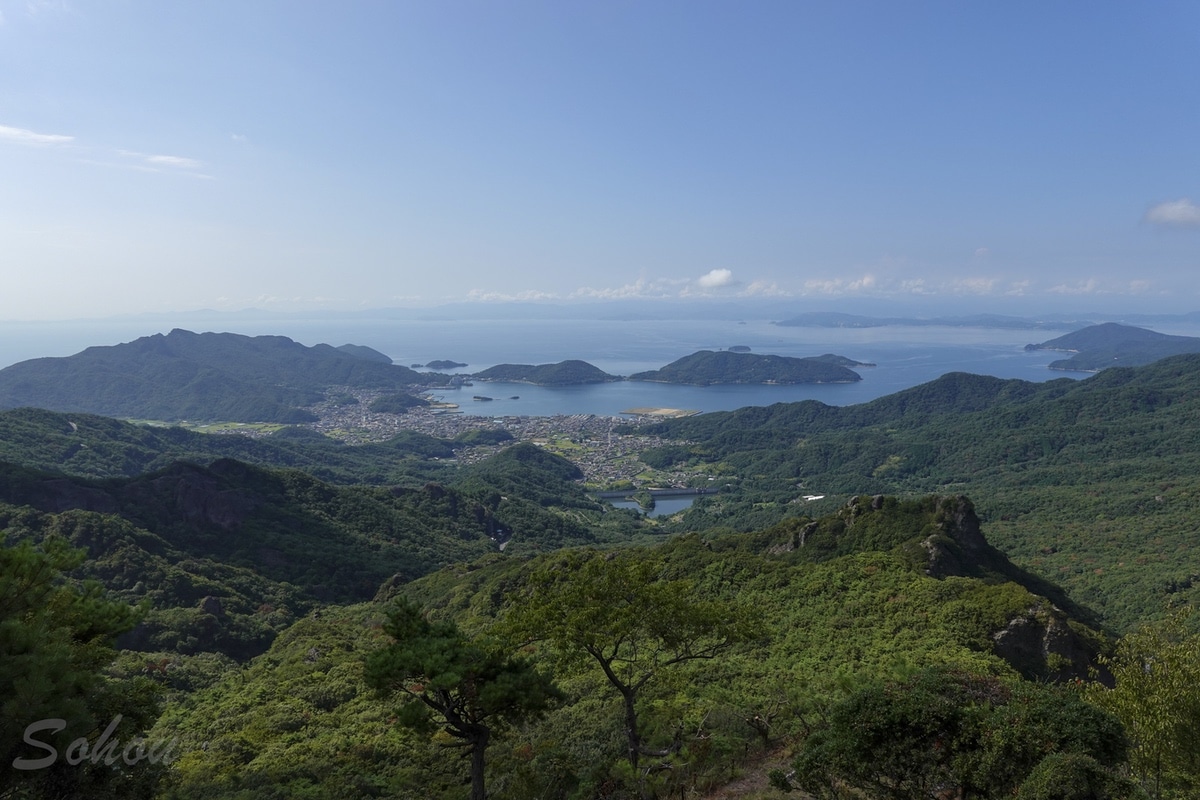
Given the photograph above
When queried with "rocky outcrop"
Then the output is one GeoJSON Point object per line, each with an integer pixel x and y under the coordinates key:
{"type": "Point", "coordinates": [959, 547]}
{"type": "Point", "coordinates": [1041, 644]}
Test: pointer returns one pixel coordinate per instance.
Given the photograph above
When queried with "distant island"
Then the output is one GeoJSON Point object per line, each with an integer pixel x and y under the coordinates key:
{"type": "Point", "coordinates": [564, 373]}
{"type": "Point", "coordinates": [832, 319]}
{"type": "Point", "coordinates": [707, 368]}
{"type": "Point", "coordinates": [444, 364]}
{"type": "Point", "coordinates": [1112, 344]}
{"type": "Point", "coordinates": [202, 377]}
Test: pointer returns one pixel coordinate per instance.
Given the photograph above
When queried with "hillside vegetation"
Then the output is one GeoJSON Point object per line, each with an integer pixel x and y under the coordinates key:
{"type": "Point", "coordinates": [1089, 482]}
{"type": "Point", "coordinates": [300, 718]}
{"type": "Point", "coordinates": [314, 620]}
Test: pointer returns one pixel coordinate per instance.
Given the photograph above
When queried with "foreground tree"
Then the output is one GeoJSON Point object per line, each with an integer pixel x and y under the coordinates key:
{"type": "Point", "coordinates": [949, 733]}
{"type": "Point", "coordinates": [56, 641]}
{"type": "Point", "coordinates": [1157, 697]}
{"type": "Point", "coordinates": [470, 688]}
{"type": "Point", "coordinates": [618, 611]}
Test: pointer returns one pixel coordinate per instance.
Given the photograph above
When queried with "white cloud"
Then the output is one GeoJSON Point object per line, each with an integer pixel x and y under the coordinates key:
{"type": "Point", "coordinates": [162, 163]}
{"type": "Point", "coordinates": [764, 289]}
{"type": "Point", "coordinates": [839, 285]}
{"type": "Point", "coordinates": [22, 136]}
{"type": "Point", "coordinates": [484, 296]}
{"type": "Point", "coordinates": [36, 8]}
{"type": "Point", "coordinates": [174, 161]}
{"type": "Point", "coordinates": [155, 161]}
{"type": "Point", "coordinates": [865, 283]}
{"type": "Point", "coordinates": [982, 252]}
{"type": "Point", "coordinates": [640, 288]}
{"type": "Point", "coordinates": [915, 286]}
{"type": "Point", "coordinates": [1181, 213]}
{"type": "Point", "coordinates": [972, 285]}
{"type": "Point", "coordinates": [1090, 286]}
{"type": "Point", "coordinates": [715, 279]}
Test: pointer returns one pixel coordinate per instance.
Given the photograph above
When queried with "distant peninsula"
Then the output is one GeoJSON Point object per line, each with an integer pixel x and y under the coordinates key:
{"type": "Point", "coordinates": [832, 319]}
{"type": "Point", "coordinates": [201, 377]}
{"type": "Point", "coordinates": [564, 373]}
{"type": "Point", "coordinates": [708, 368]}
{"type": "Point", "coordinates": [1111, 344]}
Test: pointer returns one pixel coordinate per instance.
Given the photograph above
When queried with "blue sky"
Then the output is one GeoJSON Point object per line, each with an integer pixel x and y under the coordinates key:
{"type": "Point", "coordinates": [297, 155]}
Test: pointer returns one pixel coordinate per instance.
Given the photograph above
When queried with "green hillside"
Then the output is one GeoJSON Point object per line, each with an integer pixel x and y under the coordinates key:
{"type": "Point", "coordinates": [100, 447]}
{"type": "Point", "coordinates": [1088, 482]}
{"type": "Point", "coordinates": [300, 718]}
{"type": "Point", "coordinates": [265, 545]}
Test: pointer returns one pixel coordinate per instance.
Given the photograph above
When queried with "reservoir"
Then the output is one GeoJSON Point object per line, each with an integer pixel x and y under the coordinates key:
{"type": "Point", "coordinates": [666, 501]}
{"type": "Point", "coordinates": [662, 508]}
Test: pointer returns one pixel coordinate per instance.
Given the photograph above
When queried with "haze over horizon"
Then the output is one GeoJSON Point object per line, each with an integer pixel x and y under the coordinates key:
{"type": "Point", "coordinates": [299, 156]}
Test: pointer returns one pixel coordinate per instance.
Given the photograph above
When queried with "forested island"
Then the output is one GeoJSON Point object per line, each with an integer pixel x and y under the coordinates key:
{"type": "Point", "coordinates": [1111, 344]}
{"type": "Point", "coordinates": [709, 367]}
{"type": "Point", "coordinates": [564, 373]}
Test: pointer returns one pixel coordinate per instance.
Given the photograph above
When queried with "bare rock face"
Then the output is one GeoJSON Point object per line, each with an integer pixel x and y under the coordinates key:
{"type": "Point", "coordinates": [1042, 644]}
{"type": "Point", "coordinates": [212, 605]}
{"type": "Point", "coordinates": [958, 548]}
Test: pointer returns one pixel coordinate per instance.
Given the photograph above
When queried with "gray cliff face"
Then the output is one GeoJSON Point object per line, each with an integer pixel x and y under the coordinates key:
{"type": "Point", "coordinates": [1041, 643]}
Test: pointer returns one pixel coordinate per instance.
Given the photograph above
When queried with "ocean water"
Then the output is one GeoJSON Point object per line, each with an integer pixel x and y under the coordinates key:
{"type": "Point", "coordinates": [903, 356]}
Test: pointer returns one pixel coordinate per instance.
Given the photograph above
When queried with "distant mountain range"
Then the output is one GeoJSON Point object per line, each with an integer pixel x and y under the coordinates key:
{"type": "Point", "coordinates": [1110, 344]}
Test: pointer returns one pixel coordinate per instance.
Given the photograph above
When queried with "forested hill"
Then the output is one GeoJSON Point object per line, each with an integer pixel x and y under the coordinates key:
{"type": "Point", "coordinates": [91, 446]}
{"type": "Point", "coordinates": [787, 628]}
{"type": "Point", "coordinates": [1092, 481]}
{"type": "Point", "coordinates": [205, 376]}
{"type": "Point", "coordinates": [708, 367]}
{"type": "Point", "coordinates": [265, 545]}
{"type": "Point", "coordinates": [564, 373]}
{"type": "Point", "coordinates": [1111, 344]}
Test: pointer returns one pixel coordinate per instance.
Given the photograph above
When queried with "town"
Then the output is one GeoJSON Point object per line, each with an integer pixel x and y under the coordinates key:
{"type": "Point", "coordinates": [607, 457]}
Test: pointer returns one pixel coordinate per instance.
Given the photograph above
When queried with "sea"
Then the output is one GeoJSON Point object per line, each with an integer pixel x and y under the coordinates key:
{"type": "Point", "coordinates": [903, 356]}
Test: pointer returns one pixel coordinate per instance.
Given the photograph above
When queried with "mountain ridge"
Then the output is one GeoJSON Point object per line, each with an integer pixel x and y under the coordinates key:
{"type": "Point", "coordinates": [205, 376]}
